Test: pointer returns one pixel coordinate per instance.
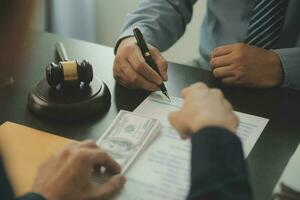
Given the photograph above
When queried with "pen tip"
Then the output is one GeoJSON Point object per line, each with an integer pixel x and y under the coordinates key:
{"type": "Point", "coordinates": [167, 95]}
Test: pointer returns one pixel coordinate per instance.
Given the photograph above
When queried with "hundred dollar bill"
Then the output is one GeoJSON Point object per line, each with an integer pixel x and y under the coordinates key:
{"type": "Point", "coordinates": [127, 136]}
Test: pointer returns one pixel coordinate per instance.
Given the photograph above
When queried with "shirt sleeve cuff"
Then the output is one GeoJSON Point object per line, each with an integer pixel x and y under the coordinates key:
{"type": "Point", "coordinates": [290, 62]}
{"type": "Point", "coordinates": [128, 33]}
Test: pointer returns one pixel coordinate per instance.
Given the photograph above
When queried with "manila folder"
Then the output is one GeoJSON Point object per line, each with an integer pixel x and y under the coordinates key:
{"type": "Point", "coordinates": [23, 149]}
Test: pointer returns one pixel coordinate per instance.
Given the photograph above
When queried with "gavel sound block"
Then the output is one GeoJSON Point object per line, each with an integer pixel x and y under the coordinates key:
{"type": "Point", "coordinates": [69, 91]}
{"type": "Point", "coordinates": [69, 103]}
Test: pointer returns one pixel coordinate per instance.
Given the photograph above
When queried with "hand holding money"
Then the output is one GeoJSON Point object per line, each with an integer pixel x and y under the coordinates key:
{"type": "Point", "coordinates": [66, 174]}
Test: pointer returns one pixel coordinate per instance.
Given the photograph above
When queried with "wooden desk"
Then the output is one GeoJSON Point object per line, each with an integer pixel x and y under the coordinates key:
{"type": "Point", "coordinates": [267, 159]}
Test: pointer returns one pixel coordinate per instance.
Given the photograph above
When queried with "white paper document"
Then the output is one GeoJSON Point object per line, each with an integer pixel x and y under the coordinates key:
{"type": "Point", "coordinates": [251, 127]}
{"type": "Point", "coordinates": [290, 176]}
{"type": "Point", "coordinates": [162, 172]}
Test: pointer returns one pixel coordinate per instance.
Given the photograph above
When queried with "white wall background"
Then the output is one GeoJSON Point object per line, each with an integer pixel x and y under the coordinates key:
{"type": "Point", "coordinates": [110, 17]}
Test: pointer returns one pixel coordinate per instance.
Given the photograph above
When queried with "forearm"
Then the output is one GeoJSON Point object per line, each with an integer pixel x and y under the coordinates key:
{"type": "Point", "coordinates": [218, 166]}
{"type": "Point", "coordinates": [162, 22]}
{"type": "Point", "coordinates": [290, 60]}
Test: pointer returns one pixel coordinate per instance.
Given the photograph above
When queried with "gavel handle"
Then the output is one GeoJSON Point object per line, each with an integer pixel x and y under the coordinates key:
{"type": "Point", "coordinates": [61, 52]}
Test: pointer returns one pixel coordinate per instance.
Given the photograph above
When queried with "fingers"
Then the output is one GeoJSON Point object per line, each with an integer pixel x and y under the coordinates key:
{"type": "Point", "coordinates": [122, 78]}
{"type": "Point", "coordinates": [88, 144]}
{"type": "Point", "coordinates": [101, 158]}
{"type": "Point", "coordinates": [71, 145]}
{"type": "Point", "coordinates": [232, 118]}
{"type": "Point", "coordinates": [232, 80]}
{"type": "Point", "coordinates": [90, 154]}
{"type": "Point", "coordinates": [131, 70]}
{"type": "Point", "coordinates": [139, 64]}
{"type": "Point", "coordinates": [84, 144]}
{"type": "Point", "coordinates": [221, 51]}
{"type": "Point", "coordinates": [221, 61]}
{"type": "Point", "coordinates": [160, 62]}
{"type": "Point", "coordinates": [129, 78]}
{"type": "Point", "coordinates": [191, 89]}
{"type": "Point", "coordinates": [136, 80]}
{"type": "Point", "coordinates": [236, 121]}
{"type": "Point", "coordinates": [178, 123]}
{"type": "Point", "coordinates": [109, 188]}
{"type": "Point", "coordinates": [217, 93]}
{"type": "Point", "coordinates": [223, 72]}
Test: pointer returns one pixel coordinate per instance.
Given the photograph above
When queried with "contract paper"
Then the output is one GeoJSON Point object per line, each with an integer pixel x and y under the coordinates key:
{"type": "Point", "coordinates": [290, 176]}
{"type": "Point", "coordinates": [162, 171]}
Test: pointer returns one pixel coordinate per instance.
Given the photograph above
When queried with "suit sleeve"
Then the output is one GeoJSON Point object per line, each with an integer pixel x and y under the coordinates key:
{"type": "Point", "coordinates": [290, 60]}
{"type": "Point", "coordinates": [6, 192]}
{"type": "Point", "coordinates": [218, 167]}
{"type": "Point", "coordinates": [162, 22]}
{"type": "Point", "coordinates": [31, 196]}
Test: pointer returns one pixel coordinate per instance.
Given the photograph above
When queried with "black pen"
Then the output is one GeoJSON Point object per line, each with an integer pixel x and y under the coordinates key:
{"type": "Point", "coordinates": [146, 54]}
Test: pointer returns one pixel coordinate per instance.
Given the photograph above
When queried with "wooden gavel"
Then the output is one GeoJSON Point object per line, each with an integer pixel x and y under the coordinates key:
{"type": "Point", "coordinates": [67, 72]}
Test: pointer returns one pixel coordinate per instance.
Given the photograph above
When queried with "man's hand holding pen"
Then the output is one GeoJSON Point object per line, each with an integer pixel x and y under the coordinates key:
{"type": "Point", "coordinates": [131, 70]}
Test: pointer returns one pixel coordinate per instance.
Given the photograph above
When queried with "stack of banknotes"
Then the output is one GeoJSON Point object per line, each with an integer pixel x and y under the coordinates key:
{"type": "Point", "coordinates": [128, 136]}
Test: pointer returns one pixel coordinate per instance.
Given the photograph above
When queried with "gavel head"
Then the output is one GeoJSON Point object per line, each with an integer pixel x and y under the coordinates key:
{"type": "Point", "coordinates": [69, 73]}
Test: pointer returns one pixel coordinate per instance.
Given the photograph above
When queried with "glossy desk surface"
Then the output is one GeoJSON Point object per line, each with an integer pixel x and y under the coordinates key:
{"type": "Point", "coordinates": [266, 161]}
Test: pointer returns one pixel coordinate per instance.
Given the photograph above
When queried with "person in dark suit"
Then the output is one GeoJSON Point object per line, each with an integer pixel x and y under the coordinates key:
{"type": "Point", "coordinates": [67, 176]}
{"type": "Point", "coordinates": [218, 167]}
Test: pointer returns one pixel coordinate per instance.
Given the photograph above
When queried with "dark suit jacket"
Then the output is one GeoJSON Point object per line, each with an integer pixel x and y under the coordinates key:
{"type": "Point", "coordinates": [218, 169]}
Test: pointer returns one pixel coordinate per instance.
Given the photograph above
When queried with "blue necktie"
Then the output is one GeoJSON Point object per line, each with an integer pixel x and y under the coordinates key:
{"type": "Point", "coordinates": [266, 23]}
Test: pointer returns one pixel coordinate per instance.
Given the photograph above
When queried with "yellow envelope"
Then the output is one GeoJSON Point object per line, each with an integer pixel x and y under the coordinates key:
{"type": "Point", "coordinates": [23, 149]}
